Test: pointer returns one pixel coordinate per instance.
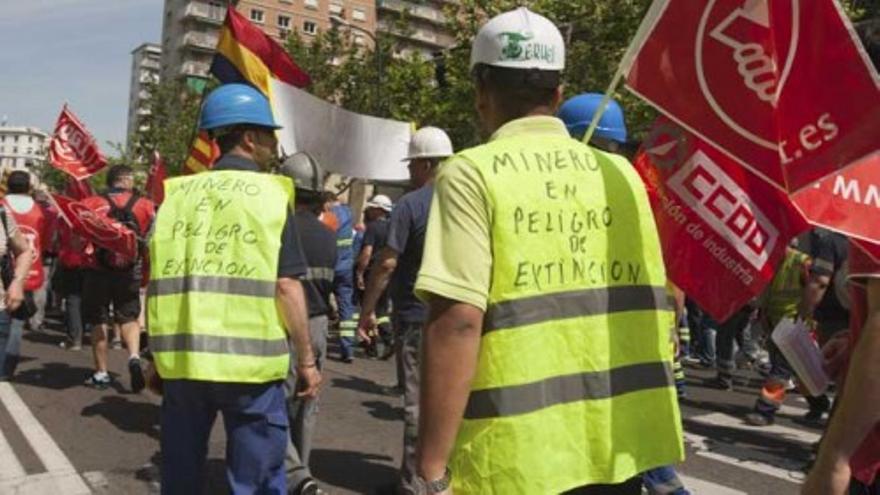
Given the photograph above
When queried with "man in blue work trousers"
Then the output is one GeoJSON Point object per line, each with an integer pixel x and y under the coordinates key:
{"type": "Point", "coordinates": [226, 303]}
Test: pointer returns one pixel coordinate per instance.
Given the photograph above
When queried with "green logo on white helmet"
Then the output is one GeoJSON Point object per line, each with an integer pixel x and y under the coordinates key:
{"type": "Point", "coordinates": [519, 39]}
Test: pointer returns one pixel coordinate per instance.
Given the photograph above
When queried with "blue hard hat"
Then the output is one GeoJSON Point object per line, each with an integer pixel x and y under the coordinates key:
{"type": "Point", "coordinates": [577, 113]}
{"type": "Point", "coordinates": [232, 104]}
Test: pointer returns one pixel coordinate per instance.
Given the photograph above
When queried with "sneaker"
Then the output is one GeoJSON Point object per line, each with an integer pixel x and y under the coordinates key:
{"type": "Point", "coordinates": [308, 487]}
{"type": "Point", "coordinates": [116, 344]}
{"type": "Point", "coordinates": [137, 374]}
{"type": "Point", "coordinates": [98, 380]}
{"type": "Point", "coordinates": [757, 419]}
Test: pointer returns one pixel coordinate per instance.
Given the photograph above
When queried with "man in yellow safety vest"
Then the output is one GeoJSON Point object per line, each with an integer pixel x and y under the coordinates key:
{"type": "Point", "coordinates": [547, 363]}
{"type": "Point", "coordinates": [224, 301]}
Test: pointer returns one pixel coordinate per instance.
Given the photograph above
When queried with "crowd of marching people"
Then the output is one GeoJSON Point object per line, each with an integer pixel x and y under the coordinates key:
{"type": "Point", "coordinates": [235, 297]}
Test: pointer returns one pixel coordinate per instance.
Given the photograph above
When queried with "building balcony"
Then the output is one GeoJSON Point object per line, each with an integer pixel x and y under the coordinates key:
{"type": "Point", "coordinates": [201, 41]}
{"type": "Point", "coordinates": [205, 13]}
{"type": "Point", "coordinates": [196, 69]}
{"type": "Point", "coordinates": [429, 38]}
{"type": "Point", "coordinates": [150, 64]}
{"type": "Point", "coordinates": [422, 12]}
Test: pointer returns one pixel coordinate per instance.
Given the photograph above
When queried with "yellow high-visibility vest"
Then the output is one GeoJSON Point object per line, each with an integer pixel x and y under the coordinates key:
{"type": "Point", "coordinates": [574, 384]}
{"type": "Point", "coordinates": [787, 287]}
{"type": "Point", "coordinates": [213, 271]}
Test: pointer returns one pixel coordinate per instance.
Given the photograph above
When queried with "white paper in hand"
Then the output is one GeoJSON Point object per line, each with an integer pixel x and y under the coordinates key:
{"type": "Point", "coordinates": [802, 353]}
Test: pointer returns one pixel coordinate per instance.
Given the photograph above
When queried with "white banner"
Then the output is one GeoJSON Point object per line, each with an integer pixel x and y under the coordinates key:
{"type": "Point", "coordinates": [344, 142]}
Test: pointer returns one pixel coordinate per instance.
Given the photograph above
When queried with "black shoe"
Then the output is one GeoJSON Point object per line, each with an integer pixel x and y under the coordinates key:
{"type": "Point", "coordinates": [137, 375]}
{"type": "Point", "coordinates": [347, 359]}
{"type": "Point", "coordinates": [721, 383]}
{"type": "Point", "coordinates": [814, 416]}
{"type": "Point", "coordinates": [755, 418]}
{"type": "Point", "coordinates": [10, 364]}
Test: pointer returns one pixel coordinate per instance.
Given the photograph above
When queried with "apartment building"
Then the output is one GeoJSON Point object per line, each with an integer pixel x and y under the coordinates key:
{"type": "Point", "coordinates": [22, 147]}
{"type": "Point", "coordinates": [146, 61]}
{"type": "Point", "coordinates": [190, 28]}
{"type": "Point", "coordinates": [427, 32]}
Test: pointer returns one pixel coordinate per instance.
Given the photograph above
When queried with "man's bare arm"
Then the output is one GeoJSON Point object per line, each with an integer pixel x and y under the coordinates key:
{"type": "Point", "coordinates": [24, 258]}
{"type": "Point", "coordinates": [380, 276]}
{"type": "Point", "coordinates": [362, 262]}
{"type": "Point", "coordinates": [292, 301]}
{"type": "Point", "coordinates": [852, 421]}
{"type": "Point", "coordinates": [452, 336]}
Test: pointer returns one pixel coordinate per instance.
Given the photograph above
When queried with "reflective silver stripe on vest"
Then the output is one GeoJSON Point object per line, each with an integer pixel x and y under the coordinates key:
{"type": "Point", "coordinates": [522, 399]}
{"type": "Point", "coordinates": [184, 342]}
{"type": "Point", "coordinates": [562, 305]}
{"type": "Point", "coordinates": [326, 274]}
{"type": "Point", "coordinates": [220, 285]}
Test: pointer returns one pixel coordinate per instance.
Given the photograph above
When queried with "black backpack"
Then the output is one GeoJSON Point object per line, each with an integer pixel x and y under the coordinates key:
{"type": "Point", "coordinates": [112, 260]}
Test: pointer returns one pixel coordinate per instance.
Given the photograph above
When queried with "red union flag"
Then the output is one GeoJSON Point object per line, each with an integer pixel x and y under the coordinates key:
{"type": "Point", "coordinates": [72, 149]}
{"type": "Point", "coordinates": [97, 228]}
{"type": "Point", "coordinates": [723, 230]}
{"type": "Point", "coordinates": [782, 86]}
{"type": "Point", "coordinates": [156, 179]}
{"type": "Point", "coordinates": [848, 201]}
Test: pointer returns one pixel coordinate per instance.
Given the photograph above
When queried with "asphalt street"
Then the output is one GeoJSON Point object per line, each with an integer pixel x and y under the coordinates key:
{"type": "Point", "coordinates": [59, 437]}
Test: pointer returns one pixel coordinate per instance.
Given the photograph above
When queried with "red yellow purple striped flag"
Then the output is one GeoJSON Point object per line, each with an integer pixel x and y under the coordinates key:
{"type": "Point", "coordinates": [202, 154]}
{"type": "Point", "coordinates": [246, 54]}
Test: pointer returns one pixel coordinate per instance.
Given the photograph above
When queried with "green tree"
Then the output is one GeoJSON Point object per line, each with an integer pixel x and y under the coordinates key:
{"type": "Point", "coordinates": [169, 127]}
{"type": "Point", "coordinates": [599, 33]}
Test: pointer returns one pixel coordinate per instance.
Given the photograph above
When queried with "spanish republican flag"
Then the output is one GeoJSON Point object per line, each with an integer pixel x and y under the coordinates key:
{"type": "Point", "coordinates": [246, 54]}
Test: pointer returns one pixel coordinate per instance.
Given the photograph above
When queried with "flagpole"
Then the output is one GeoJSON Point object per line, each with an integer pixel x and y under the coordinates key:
{"type": "Point", "coordinates": [651, 16]}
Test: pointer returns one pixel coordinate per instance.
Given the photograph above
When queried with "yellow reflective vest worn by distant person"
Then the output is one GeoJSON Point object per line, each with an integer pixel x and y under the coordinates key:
{"type": "Point", "coordinates": [556, 242]}
{"type": "Point", "coordinates": [212, 305]}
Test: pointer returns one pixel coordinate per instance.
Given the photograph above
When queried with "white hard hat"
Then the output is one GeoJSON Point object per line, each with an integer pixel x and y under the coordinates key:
{"type": "Point", "coordinates": [519, 39]}
{"type": "Point", "coordinates": [429, 142]}
{"type": "Point", "coordinates": [380, 201]}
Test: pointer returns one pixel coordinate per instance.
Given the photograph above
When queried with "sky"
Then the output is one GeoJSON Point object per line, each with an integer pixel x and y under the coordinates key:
{"type": "Point", "coordinates": [78, 51]}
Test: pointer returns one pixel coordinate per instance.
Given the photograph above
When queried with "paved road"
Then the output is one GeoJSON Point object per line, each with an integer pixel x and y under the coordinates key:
{"type": "Point", "coordinates": [58, 437]}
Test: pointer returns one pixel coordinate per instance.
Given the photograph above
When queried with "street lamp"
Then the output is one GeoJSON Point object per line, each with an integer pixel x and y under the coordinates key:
{"type": "Point", "coordinates": [336, 20]}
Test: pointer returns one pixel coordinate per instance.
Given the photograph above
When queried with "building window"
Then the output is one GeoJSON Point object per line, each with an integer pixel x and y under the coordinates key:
{"type": "Point", "coordinates": [257, 15]}
{"type": "Point", "coordinates": [30, 139]}
{"type": "Point", "coordinates": [284, 21]}
{"type": "Point", "coordinates": [15, 150]}
{"type": "Point", "coordinates": [359, 14]}
{"type": "Point", "coordinates": [30, 151]}
{"type": "Point", "coordinates": [336, 9]}
{"type": "Point", "coordinates": [310, 27]}
{"type": "Point", "coordinates": [359, 40]}
{"type": "Point", "coordinates": [312, 4]}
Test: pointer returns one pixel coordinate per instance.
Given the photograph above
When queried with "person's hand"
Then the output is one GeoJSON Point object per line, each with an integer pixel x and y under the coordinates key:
{"type": "Point", "coordinates": [366, 325]}
{"type": "Point", "coordinates": [308, 380]}
{"type": "Point", "coordinates": [835, 352]}
{"type": "Point", "coordinates": [14, 295]}
{"type": "Point", "coordinates": [827, 478]}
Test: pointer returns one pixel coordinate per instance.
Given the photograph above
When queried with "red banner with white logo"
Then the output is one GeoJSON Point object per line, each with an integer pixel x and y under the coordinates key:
{"type": "Point", "coordinates": [723, 230]}
{"type": "Point", "coordinates": [848, 201]}
{"type": "Point", "coordinates": [97, 228]}
{"type": "Point", "coordinates": [782, 86]}
{"type": "Point", "coordinates": [73, 150]}
{"type": "Point", "coordinates": [78, 189]}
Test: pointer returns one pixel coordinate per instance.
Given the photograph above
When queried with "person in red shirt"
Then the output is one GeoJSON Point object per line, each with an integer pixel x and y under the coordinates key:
{"type": "Point", "coordinates": [849, 457]}
{"type": "Point", "coordinates": [108, 282]}
{"type": "Point", "coordinates": [74, 255]}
